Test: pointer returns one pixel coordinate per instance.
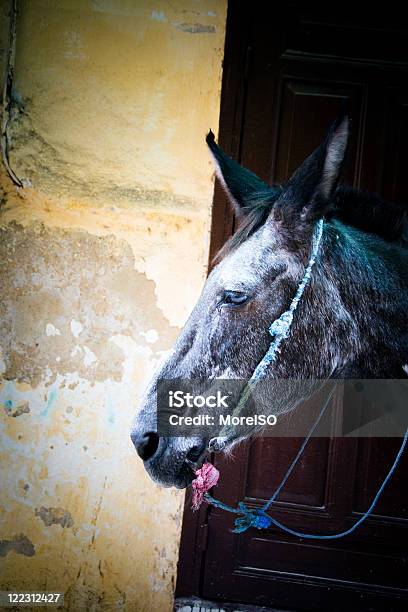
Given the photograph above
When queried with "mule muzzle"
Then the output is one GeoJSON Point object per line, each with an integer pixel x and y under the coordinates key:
{"type": "Point", "coordinates": [170, 462]}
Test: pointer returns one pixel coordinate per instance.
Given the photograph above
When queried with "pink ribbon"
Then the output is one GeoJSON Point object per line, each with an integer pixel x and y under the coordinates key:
{"type": "Point", "coordinates": [206, 478]}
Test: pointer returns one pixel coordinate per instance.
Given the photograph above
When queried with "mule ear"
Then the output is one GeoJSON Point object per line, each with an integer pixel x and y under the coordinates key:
{"type": "Point", "coordinates": [243, 187]}
{"type": "Point", "coordinates": [309, 192]}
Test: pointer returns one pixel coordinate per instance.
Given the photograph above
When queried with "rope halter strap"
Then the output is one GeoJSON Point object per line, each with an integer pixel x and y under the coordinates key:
{"type": "Point", "coordinates": [279, 330]}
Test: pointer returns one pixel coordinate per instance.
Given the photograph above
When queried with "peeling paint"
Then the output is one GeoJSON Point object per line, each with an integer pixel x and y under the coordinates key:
{"type": "Point", "coordinates": [196, 28]}
{"type": "Point", "coordinates": [158, 16]}
{"type": "Point", "coordinates": [76, 328]}
{"type": "Point", "coordinates": [89, 357]}
{"type": "Point", "coordinates": [16, 411]}
{"type": "Point", "coordinates": [118, 301]}
{"type": "Point", "coordinates": [54, 516]}
{"type": "Point", "coordinates": [50, 403]}
{"type": "Point", "coordinates": [19, 544]}
{"type": "Point", "coordinates": [151, 336]}
{"type": "Point", "coordinates": [51, 330]}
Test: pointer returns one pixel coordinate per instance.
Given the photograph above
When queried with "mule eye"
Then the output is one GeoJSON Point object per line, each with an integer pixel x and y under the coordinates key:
{"type": "Point", "coordinates": [234, 298]}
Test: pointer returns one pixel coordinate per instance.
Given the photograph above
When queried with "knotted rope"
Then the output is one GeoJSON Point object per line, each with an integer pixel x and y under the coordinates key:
{"type": "Point", "coordinates": [258, 517]}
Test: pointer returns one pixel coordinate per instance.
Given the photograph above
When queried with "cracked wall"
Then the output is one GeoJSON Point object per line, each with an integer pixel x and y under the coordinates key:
{"type": "Point", "coordinates": [102, 257]}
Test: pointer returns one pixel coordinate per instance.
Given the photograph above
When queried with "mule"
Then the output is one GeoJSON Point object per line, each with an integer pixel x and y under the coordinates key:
{"type": "Point", "coordinates": [352, 321]}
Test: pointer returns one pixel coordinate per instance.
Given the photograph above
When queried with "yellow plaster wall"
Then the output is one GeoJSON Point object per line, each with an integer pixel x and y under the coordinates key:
{"type": "Point", "coordinates": [102, 256]}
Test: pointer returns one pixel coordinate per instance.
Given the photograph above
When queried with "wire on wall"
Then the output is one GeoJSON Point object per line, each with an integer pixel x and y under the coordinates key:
{"type": "Point", "coordinates": [7, 93]}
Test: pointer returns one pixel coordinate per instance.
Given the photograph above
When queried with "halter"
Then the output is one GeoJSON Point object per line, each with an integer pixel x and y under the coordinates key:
{"type": "Point", "coordinates": [279, 330]}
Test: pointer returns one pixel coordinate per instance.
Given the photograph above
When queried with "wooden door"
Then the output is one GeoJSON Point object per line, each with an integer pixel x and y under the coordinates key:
{"type": "Point", "coordinates": [288, 71]}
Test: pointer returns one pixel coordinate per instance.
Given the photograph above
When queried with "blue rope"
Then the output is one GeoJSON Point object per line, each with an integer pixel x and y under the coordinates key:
{"type": "Point", "coordinates": [257, 517]}
{"type": "Point", "coordinates": [300, 451]}
{"type": "Point", "coordinates": [242, 508]}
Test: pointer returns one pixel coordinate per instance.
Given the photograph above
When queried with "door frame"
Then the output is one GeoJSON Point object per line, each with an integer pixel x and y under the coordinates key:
{"type": "Point", "coordinates": [237, 55]}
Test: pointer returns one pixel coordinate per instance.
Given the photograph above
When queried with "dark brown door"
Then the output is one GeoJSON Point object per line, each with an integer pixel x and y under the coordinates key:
{"type": "Point", "coordinates": [287, 73]}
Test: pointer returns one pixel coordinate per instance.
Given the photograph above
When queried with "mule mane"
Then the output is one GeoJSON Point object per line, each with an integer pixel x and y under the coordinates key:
{"type": "Point", "coordinates": [363, 210]}
{"type": "Point", "coordinates": [369, 213]}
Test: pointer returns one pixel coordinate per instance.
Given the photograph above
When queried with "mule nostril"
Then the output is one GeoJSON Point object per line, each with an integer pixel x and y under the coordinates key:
{"type": "Point", "coordinates": [146, 444]}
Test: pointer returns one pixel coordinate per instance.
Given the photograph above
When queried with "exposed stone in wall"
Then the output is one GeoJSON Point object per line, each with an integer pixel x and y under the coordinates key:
{"type": "Point", "coordinates": [19, 544]}
{"type": "Point", "coordinates": [159, 240]}
{"type": "Point", "coordinates": [54, 516]}
{"type": "Point", "coordinates": [69, 294]}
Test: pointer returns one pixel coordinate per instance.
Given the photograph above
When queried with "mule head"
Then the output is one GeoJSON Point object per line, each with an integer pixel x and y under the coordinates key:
{"type": "Point", "coordinates": [252, 283]}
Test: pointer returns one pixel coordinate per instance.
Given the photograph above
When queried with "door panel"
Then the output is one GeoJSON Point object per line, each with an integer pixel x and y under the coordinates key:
{"type": "Point", "coordinates": [373, 455]}
{"type": "Point", "coordinates": [307, 486]}
{"type": "Point", "coordinates": [288, 71]}
{"type": "Point", "coordinates": [394, 161]}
